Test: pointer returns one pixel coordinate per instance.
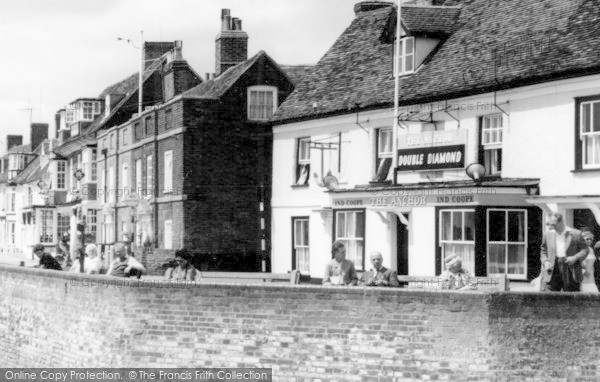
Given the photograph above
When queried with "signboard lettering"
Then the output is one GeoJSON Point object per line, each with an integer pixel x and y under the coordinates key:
{"type": "Point", "coordinates": [431, 158]}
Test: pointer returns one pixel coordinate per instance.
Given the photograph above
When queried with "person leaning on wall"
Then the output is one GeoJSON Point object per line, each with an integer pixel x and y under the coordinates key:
{"type": "Point", "coordinates": [340, 271]}
{"type": "Point", "coordinates": [379, 275]}
{"type": "Point", "coordinates": [46, 260]}
{"type": "Point", "coordinates": [184, 271]}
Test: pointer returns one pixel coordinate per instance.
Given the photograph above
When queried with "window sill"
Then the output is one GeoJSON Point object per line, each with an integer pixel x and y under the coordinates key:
{"type": "Point", "coordinates": [299, 186]}
{"type": "Point", "coordinates": [578, 170]}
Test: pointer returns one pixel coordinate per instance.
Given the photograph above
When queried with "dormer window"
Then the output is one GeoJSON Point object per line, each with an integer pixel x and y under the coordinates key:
{"type": "Point", "coordinates": [262, 102]}
{"type": "Point", "coordinates": [88, 108]}
{"type": "Point", "coordinates": [406, 58]}
{"type": "Point", "coordinates": [82, 110]}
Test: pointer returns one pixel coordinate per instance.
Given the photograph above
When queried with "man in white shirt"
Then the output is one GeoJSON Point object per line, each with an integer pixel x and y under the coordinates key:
{"type": "Point", "coordinates": [563, 250]}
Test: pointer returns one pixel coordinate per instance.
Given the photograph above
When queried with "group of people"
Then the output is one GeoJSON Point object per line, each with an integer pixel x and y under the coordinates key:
{"type": "Point", "coordinates": [340, 271]}
{"type": "Point", "coordinates": [89, 262]}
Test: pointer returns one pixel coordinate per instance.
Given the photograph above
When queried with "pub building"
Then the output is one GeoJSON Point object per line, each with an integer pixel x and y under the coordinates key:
{"type": "Point", "coordinates": [480, 160]}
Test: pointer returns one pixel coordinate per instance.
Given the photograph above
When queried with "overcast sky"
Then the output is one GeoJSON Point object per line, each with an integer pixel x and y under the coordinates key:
{"type": "Point", "coordinates": [54, 51]}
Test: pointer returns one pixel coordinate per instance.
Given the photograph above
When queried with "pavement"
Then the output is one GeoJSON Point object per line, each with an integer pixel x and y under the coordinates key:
{"type": "Point", "coordinates": [15, 258]}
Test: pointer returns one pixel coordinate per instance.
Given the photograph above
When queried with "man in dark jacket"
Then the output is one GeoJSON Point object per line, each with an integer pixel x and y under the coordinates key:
{"type": "Point", "coordinates": [46, 261]}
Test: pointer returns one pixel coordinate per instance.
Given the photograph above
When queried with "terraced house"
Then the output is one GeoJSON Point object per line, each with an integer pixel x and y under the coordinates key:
{"type": "Point", "coordinates": [26, 216]}
{"type": "Point", "coordinates": [509, 86]}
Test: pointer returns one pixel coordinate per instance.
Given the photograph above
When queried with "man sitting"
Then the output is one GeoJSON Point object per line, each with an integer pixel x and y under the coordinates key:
{"type": "Point", "coordinates": [46, 260]}
{"type": "Point", "coordinates": [455, 277]}
{"type": "Point", "coordinates": [379, 275]}
{"type": "Point", "coordinates": [124, 265]}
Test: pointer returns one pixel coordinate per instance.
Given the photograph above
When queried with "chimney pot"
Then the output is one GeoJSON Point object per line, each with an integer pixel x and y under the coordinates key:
{"type": "Point", "coordinates": [226, 23]}
{"type": "Point", "coordinates": [177, 56]}
{"type": "Point", "coordinates": [237, 24]}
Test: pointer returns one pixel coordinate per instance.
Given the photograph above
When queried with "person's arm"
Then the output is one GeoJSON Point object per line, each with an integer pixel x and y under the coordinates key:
{"type": "Point", "coordinates": [583, 249]}
{"type": "Point", "coordinates": [394, 279]}
{"type": "Point", "coordinates": [326, 280]}
{"type": "Point", "coordinates": [544, 253]}
{"type": "Point", "coordinates": [169, 273]}
{"type": "Point", "coordinates": [353, 275]}
{"type": "Point", "coordinates": [110, 268]}
{"type": "Point", "coordinates": [133, 263]}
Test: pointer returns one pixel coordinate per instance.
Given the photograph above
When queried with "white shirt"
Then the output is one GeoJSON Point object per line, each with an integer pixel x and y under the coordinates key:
{"type": "Point", "coordinates": [561, 243]}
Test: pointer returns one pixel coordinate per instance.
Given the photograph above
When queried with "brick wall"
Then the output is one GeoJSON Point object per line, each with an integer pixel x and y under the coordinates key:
{"type": "Point", "coordinates": [302, 332]}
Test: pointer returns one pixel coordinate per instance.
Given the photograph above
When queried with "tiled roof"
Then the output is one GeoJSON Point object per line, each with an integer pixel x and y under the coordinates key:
{"type": "Point", "coordinates": [297, 73]}
{"type": "Point", "coordinates": [430, 19]}
{"type": "Point", "coordinates": [73, 144]}
{"type": "Point", "coordinates": [21, 149]}
{"type": "Point", "coordinates": [216, 87]}
{"type": "Point", "coordinates": [122, 87]}
{"type": "Point", "coordinates": [498, 45]}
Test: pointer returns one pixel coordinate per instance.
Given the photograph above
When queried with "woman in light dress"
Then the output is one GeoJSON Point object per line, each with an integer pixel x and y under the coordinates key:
{"type": "Point", "coordinates": [588, 284]}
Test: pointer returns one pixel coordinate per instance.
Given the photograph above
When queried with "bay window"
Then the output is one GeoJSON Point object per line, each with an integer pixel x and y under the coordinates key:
{"type": "Point", "coordinates": [350, 229]}
{"type": "Point", "coordinates": [507, 242]}
{"type": "Point", "coordinates": [457, 236]}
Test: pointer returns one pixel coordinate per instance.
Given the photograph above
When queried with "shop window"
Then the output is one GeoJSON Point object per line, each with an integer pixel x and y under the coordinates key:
{"type": "Point", "coordinates": [261, 102]}
{"type": "Point", "coordinates": [589, 133]}
{"type": "Point", "coordinates": [303, 162]}
{"type": "Point", "coordinates": [457, 236]}
{"type": "Point", "coordinates": [507, 242]}
{"type": "Point", "coordinates": [47, 226]}
{"type": "Point", "coordinates": [383, 157]}
{"type": "Point", "coordinates": [491, 143]}
{"type": "Point", "coordinates": [168, 238]}
{"type": "Point", "coordinates": [63, 224]}
{"type": "Point", "coordinates": [301, 251]}
{"type": "Point", "coordinates": [406, 59]}
{"type": "Point", "coordinates": [350, 229]}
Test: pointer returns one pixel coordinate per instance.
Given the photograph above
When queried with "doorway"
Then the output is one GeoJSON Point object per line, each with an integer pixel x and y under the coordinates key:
{"type": "Point", "coordinates": [402, 246]}
{"type": "Point", "coordinates": [585, 218]}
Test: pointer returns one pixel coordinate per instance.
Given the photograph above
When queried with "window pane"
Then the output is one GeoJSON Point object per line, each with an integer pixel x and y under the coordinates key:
{"type": "Point", "coordinates": [469, 225]}
{"type": "Point", "coordinates": [497, 226]}
{"type": "Point", "coordinates": [410, 48]}
{"type": "Point", "coordinates": [446, 225]}
{"type": "Point", "coordinates": [297, 232]}
{"type": "Point", "coordinates": [341, 224]}
{"type": "Point", "coordinates": [408, 63]}
{"type": "Point", "coordinates": [516, 259]}
{"type": "Point", "coordinates": [496, 258]}
{"type": "Point", "coordinates": [360, 225]}
{"type": "Point", "coordinates": [304, 232]}
{"type": "Point", "coordinates": [457, 225]}
{"type": "Point", "coordinates": [516, 226]}
{"type": "Point", "coordinates": [466, 253]}
{"type": "Point", "coordinates": [351, 224]}
{"type": "Point", "coordinates": [585, 118]}
{"type": "Point", "coordinates": [596, 117]}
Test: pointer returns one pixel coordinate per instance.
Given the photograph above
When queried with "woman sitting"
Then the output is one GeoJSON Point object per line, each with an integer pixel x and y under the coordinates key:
{"type": "Point", "coordinates": [184, 271]}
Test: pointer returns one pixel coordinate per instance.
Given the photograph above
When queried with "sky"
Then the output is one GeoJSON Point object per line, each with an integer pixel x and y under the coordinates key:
{"type": "Point", "coordinates": [55, 51]}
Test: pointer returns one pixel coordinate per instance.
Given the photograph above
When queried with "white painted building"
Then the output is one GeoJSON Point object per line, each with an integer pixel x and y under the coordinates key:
{"type": "Point", "coordinates": [522, 122]}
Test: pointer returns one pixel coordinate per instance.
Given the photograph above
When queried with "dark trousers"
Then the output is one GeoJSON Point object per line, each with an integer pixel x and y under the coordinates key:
{"type": "Point", "coordinates": [562, 279]}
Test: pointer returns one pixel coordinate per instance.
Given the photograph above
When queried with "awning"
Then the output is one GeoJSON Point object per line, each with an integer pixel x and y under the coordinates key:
{"type": "Point", "coordinates": [590, 202]}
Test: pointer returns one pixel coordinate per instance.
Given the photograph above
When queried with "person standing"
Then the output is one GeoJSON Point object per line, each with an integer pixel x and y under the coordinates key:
{"type": "Point", "coordinates": [340, 271]}
{"type": "Point", "coordinates": [588, 283]}
{"type": "Point", "coordinates": [563, 249]}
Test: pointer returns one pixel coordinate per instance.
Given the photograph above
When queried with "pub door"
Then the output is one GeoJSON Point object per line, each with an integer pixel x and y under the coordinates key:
{"type": "Point", "coordinates": [402, 246]}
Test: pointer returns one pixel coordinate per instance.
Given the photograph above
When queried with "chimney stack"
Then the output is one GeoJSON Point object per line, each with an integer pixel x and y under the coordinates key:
{"type": "Point", "coordinates": [13, 140]}
{"type": "Point", "coordinates": [39, 133]}
{"type": "Point", "coordinates": [231, 43]}
{"type": "Point", "coordinates": [154, 50]}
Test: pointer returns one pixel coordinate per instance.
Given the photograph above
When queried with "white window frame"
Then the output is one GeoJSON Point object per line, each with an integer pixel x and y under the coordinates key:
{"type": "Point", "coordinates": [359, 258]}
{"type": "Point", "coordinates": [87, 110]}
{"type": "Point", "coordinates": [302, 173]}
{"type": "Point", "coordinates": [591, 135]}
{"type": "Point", "coordinates": [258, 111]}
{"type": "Point", "coordinates": [46, 231]}
{"type": "Point", "coordinates": [92, 222]}
{"type": "Point", "coordinates": [468, 264]}
{"type": "Point", "coordinates": [168, 177]}
{"type": "Point", "coordinates": [11, 201]}
{"type": "Point", "coordinates": [492, 135]}
{"type": "Point", "coordinates": [301, 249]}
{"type": "Point", "coordinates": [384, 154]}
{"type": "Point", "coordinates": [404, 56]}
{"type": "Point", "coordinates": [149, 176]}
{"type": "Point", "coordinates": [11, 233]}
{"type": "Point", "coordinates": [506, 243]}
{"type": "Point", "coordinates": [63, 224]}
{"type": "Point", "coordinates": [138, 178]}
{"type": "Point", "coordinates": [94, 166]}
{"type": "Point", "coordinates": [61, 174]}
{"type": "Point", "coordinates": [125, 178]}
{"type": "Point", "coordinates": [168, 234]}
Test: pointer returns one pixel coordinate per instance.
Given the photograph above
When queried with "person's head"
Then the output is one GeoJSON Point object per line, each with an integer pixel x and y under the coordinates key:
{"type": "Point", "coordinates": [453, 263]}
{"type": "Point", "coordinates": [338, 250]}
{"type": "Point", "coordinates": [555, 222]}
{"type": "Point", "coordinates": [120, 251]}
{"type": "Point", "coordinates": [588, 236]}
{"type": "Point", "coordinates": [376, 259]}
{"type": "Point", "coordinates": [38, 250]}
{"type": "Point", "coordinates": [91, 250]}
{"type": "Point", "coordinates": [183, 257]}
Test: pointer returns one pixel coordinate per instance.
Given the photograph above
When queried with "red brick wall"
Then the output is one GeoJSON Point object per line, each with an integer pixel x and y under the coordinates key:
{"type": "Point", "coordinates": [302, 332]}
